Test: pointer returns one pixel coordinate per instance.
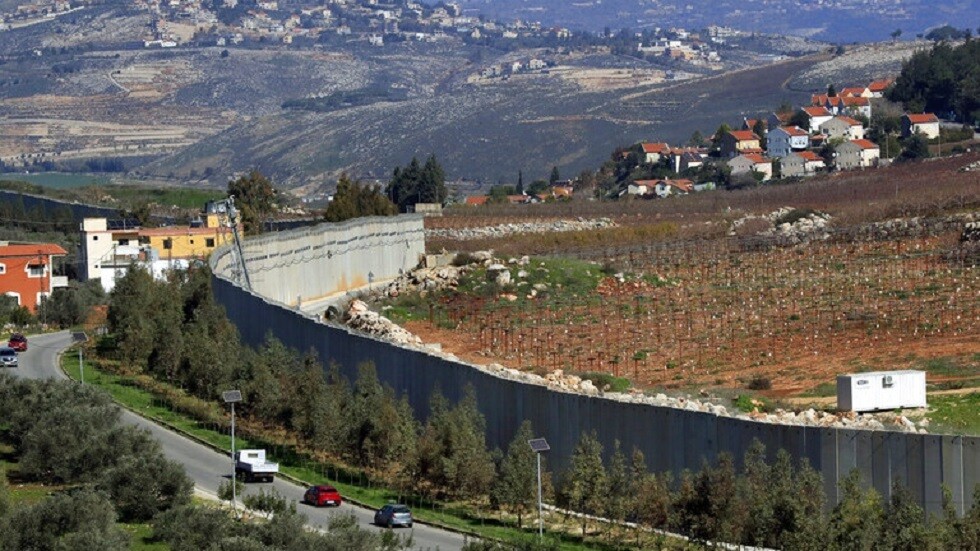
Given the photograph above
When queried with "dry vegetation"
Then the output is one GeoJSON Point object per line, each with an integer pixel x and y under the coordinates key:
{"type": "Point", "coordinates": [698, 307]}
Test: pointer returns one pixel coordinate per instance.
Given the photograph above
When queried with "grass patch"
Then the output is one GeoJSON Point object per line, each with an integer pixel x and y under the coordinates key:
{"type": "Point", "coordinates": [958, 413]}
{"type": "Point", "coordinates": [607, 382]}
{"type": "Point", "coordinates": [823, 389]}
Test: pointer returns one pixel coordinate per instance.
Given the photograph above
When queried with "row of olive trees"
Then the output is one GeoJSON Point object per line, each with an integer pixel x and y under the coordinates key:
{"type": "Point", "coordinates": [71, 435]}
{"type": "Point", "coordinates": [365, 424]}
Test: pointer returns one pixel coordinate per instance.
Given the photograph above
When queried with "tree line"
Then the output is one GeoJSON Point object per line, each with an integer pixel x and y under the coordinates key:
{"type": "Point", "coordinates": [943, 80]}
{"type": "Point", "coordinates": [175, 332]}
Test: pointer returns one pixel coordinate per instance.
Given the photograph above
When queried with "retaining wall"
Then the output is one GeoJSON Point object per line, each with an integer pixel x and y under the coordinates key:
{"type": "Point", "coordinates": [671, 439]}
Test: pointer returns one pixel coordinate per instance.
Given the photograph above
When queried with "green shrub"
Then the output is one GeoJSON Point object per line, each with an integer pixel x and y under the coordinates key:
{"type": "Point", "coordinates": [607, 382]}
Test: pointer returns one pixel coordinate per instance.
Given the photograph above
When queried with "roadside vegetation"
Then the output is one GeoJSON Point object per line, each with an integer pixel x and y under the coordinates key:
{"type": "Point", "coordinates": [183, 353]}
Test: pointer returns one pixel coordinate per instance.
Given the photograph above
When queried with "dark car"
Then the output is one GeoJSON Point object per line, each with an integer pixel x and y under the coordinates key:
{"type": "Point", "coordinates": [8, 357]}
{"type": "Point", "coordinates": [319, 496]}
{"type": "Point", "coordinates": [392, 515]}
{"type": "Point", "coordinates": [18, 342]}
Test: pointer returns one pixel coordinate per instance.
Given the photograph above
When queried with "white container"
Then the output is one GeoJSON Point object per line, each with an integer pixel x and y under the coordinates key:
{"type": "Point", "coordinates": [881, 390]}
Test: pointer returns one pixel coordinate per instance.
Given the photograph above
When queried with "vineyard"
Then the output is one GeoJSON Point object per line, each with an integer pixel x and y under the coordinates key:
{"type": "Point", "coordinates": [707, 314]}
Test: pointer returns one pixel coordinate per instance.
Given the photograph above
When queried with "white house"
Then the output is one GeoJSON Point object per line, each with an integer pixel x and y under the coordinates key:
{"type": "Point", "coordinates": [818, 115]}
{"type": "Point", "coordinates": [926, 124]}
{"type": "Point", "coordinates": [857, 154]}
{"type": "Point", "coordinates": [652, 152]}
{"type": "Point", "coordinates": [783, 140]}
{"type": "Point", "coordinates": [751, 162]}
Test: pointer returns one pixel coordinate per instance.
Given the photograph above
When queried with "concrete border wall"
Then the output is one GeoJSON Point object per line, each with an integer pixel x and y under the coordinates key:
{"type": "Point", "coordinates": [311, 263]}
{"type": "Point", "coordinates": [671, 439]}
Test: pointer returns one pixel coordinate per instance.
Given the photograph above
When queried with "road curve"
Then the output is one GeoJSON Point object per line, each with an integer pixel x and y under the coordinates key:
{"type": "Point", "coordinates": [206, 467]}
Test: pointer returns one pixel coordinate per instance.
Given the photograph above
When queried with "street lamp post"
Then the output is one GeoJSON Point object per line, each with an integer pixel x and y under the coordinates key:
{"type": "Point", "coordinates": [231, 397]}
{"type": "Point", "coordinates": [80, 337]}
{"type": "Point", "coordinates": [539, 446]}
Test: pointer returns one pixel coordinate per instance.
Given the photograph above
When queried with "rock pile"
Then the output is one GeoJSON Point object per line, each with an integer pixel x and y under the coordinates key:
{"type": "Point", "coordinates": [502, 230]}
{"type": "Point", "coordinates": [425, 279]}
{"type": "Point", "coordinates": [807, 227]}
{"type": "Point", "coordinates": [360, 317]}
{"type": "Point", "coordinates": [972, 167]}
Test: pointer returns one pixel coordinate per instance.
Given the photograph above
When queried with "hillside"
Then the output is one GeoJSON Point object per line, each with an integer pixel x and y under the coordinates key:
{"type": "Point", "coordinates": [486, 132]}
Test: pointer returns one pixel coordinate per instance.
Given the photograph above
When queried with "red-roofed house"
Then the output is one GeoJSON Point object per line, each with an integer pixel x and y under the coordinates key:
{"type": "Point", "coordinates": [855, 92]}
{"type": "Point", "coordinates": [843, 126]}
{"type": "Point", "coordinates": [856, 106]}
{"type": "Point", "coordinates": [734, 142]}
{"type": "Point", "coordinates": [818, 115]}
{"type": "Point", "coordinates": [26, 272]}
{"type": "Point", "coordinates": [857, 154]}
{"type": "Point", "coordinates": [751, 162]}
{"type": "Point", "coordinates": [639, 188]}
{"type": "Point", "coordinates": [781, 141]}
{"type": "Point", "coordinates": [926, 124]}
{"type": "Point", "coordinates": [878, 87]}
{"type": "Point", "coordinates": [667, 187]}
{"type": "Point", "coordinates": [652, 152]}
{"type": "Point", "coordinates": [801, 163]}
{"type": "Point", "coordinates": [476, 200]}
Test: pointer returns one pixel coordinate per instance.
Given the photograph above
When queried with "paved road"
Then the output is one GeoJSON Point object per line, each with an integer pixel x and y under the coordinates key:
{"type": "Point", "coordinates": [206, 467]}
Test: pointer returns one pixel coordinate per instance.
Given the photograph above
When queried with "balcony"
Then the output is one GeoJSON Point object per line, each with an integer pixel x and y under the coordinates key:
{"type": "Point", "coordinates": [59, 281]}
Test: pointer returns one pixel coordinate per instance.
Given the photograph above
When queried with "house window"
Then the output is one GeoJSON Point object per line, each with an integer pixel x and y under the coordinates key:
{"type": "Point", "coordinates": [168, 243]}
{"type": "Point", "coordinates": [209, 242]}
{"type": "Point", "coordinates": [192, 241]}
{"type": "Point", "coordinates": [95, 238]}
{"type": "Point", "coordinates": [3, 269]}
{"type": "Point", "coordinates": [35, 270]}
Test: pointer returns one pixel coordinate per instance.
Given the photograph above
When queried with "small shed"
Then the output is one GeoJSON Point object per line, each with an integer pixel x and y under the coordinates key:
{"type": "Point", "coordinates": [881, 390]}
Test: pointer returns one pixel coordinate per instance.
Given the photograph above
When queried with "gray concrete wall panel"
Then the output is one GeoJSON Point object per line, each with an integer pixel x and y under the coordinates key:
{"type": "Point", "coordinates": [670, 439]}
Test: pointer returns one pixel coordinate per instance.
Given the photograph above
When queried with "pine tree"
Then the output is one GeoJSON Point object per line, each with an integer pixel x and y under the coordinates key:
{"type": "Point", "coordinates": [515, 488]}
{"type": "Point", "coordinates": [586, 483]}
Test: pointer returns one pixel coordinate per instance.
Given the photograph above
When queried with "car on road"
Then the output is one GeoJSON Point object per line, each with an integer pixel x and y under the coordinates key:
{"type": "Point", "coordinates": [8, 357]}
{"type": "Point", "coordinates": [18, 342]}
{"type": "Point", "coordinates": [392, 515]}
{"type": "Point", "coordinates": [319, 496]}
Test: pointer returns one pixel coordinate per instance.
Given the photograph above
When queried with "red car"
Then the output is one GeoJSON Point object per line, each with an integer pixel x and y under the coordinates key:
{"type": "Point", "coordinates": [18, 342]}
{"type": "Point", "coordinates": [318, 496]}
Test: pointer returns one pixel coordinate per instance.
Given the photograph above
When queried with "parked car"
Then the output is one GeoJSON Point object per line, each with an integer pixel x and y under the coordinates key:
{"type": "Point", "coordinates": [18, 342]}
{"type": "Point", "coordinates": [8, 357]}
{"type": "Point", "coordinates": [318, 496]}
{"type": "Point", "coordinates": [392, 515]}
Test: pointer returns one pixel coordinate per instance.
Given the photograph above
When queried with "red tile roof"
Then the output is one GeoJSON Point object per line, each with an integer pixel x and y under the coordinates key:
{"type": "Point", "coordinates": [756, 158]}
{"type": "Point", "coordinates": [657, 147]}
{"type": "Point", "coordinates": [856, 101]}
{"type": "Point", "coordinates": [922, 118]}
{"type": "Point", "coordinates": [744, 135]}
{"type": "Point", "coordinates": [810, 156]}
{"type": "Point", "coordinates": [880, 85]}
{"type": "Point", "coordinates": [850, 121]}
{"type": "Point", "coordinates": [818, 99]}
{"type": "Point", "coordinates": [31, 249]}
{"type": "Point", "coordinates": [852, 91]}
{"type": "Point", "coordinates": [477, 200]}
{"type": "Point", "coordinates": [794, 130]}
{"type": "Point", "coordinates": [816, 111]}
{"type": "Point", "coordinates": [865, 144]}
